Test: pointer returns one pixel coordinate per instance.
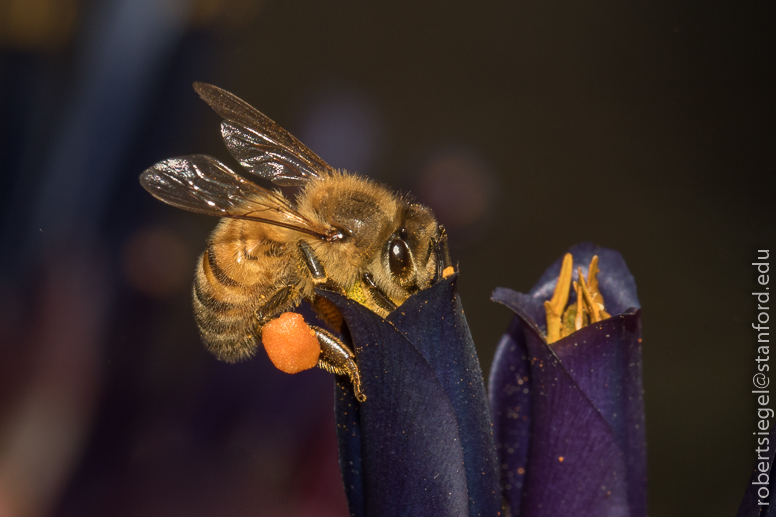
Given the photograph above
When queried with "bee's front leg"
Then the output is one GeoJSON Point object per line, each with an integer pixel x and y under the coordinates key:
{"type": "Point", "coordinates": [336, 357]}
{"type": "Point", "coordinates": [378, 295]}
{"type": "Point", "coordinates": [444, 262]}
{"type": "Point", "coordinates": [318, 273]}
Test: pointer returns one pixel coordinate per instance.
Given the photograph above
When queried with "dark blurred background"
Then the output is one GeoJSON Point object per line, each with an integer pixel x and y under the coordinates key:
{"type": "Point", "coordinates": [528, 127]}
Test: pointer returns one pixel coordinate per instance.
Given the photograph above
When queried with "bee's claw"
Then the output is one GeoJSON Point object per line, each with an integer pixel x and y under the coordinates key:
{"type": "Point", "coordinates": [336, 357]}
{"type": "Point", "coordinates": [355, 378]}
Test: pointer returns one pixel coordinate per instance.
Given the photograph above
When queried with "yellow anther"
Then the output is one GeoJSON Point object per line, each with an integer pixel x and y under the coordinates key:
{"type": "Point", "coordinates": [584, 294]}
{"type": "Point", "coordinates": [579, 321]}
{"type": "Point", "coordinates": [554, 307]}
{"type": "Point", "coordinates": [589, 307]}
{"type": "Point", "coordinates": [592, 277]}
{"type": "Point", "coordinates": [592, 287]}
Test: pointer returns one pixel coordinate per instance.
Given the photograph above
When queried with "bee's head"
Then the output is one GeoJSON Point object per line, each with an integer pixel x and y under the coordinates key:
{"type": "Point", "coordinates": [408, 259]}
{"type": "Point", "coordinates": [383, 235]}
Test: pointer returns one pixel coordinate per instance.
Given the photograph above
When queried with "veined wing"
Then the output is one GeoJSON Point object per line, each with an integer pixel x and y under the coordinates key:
{"type": "Point", "coordinates": [259, 144]}
{"type": "Point", "coordinates": [200, 183]}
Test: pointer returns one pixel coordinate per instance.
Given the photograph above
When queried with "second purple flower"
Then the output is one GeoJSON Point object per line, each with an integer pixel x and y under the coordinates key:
{"type": "Point", "coordinates": [566, 394]}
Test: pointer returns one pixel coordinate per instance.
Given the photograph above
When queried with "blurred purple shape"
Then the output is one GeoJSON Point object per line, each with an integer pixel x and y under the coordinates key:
{"type": "Point", "coordinates": [459, 187]}
{"type": "Point", "coordinates": [344, 127]}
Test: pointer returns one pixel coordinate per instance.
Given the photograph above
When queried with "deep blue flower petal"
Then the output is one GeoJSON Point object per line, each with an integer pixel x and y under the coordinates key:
{"type": "Point", "coordinates": [434, 322]}
{"type": "Point", "coordinates": [348, 420]}
{"type": "Point", "coordinates": [411, 453]}
{"type": "Point", "coordinates": [510, 394]}
{"type": "Point", "coordinates": [419, 368]}
{"type": "Point", "coordinates": [412, 458]}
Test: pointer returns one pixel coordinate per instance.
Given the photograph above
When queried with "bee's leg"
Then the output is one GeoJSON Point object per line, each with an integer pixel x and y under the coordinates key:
{"type": "Point", "coordinates": [337, 358]}
{"type": "Point", "coordinates": [378, 295]}
{"type": "Point", "coordinates": [269, 309]}
{"type": "Point", "coordinates": [317, 271]}
{"type": "Point", "coordinates": [443, 253]}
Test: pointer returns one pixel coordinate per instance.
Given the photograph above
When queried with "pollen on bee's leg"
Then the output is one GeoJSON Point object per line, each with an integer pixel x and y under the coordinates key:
{"type": "Point", "coordinates": [290, 343]}
{"type": "Point", "coordinates": [448, 272]}
{"type": "Point", "coordinates": [328, 312]}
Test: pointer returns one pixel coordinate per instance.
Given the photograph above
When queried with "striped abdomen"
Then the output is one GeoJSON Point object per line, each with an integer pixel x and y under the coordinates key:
{"type": "Point", "coordinates": [240, 269]}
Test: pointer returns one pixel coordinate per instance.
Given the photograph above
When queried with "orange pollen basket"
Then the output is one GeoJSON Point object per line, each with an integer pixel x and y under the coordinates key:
{"type": "Point", "coordinates": [290, 343]}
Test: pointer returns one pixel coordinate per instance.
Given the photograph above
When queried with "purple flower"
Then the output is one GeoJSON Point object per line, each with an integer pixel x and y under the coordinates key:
{"type": "Point", "coordinates": [569, 416]}
{"type": "Point", "coordinates": [422, 442]}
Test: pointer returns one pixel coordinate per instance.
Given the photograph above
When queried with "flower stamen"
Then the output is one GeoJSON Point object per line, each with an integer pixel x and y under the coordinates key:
{"type": "Point", "coordinates": [579, 319]}
{"type": "Point", "coordinates": [560, 297]}
{"type": "Point", "coordinates": [589, 307]}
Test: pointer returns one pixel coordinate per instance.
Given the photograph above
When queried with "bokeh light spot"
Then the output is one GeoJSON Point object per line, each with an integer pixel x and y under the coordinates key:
{"type": "Point", "coordinates": [157, 262]}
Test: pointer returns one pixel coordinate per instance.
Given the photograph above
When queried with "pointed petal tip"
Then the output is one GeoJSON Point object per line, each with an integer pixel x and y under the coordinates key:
{"type": "Point", "coordinates": [424, 432]}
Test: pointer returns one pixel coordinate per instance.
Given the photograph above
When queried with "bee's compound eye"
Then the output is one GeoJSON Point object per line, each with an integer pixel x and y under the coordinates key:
{"type": "Point", "coordinates": [399, 258]}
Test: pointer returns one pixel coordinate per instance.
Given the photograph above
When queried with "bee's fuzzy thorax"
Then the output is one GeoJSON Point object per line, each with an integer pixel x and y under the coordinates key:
{"type": "Point", "coordinates": [364, 209]}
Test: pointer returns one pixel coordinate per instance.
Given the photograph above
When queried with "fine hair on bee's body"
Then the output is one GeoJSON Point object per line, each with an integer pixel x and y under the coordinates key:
{"type": "Point", "coordinates": [247, 262]}
{"type": "Point", "coordinates": [344, 233]}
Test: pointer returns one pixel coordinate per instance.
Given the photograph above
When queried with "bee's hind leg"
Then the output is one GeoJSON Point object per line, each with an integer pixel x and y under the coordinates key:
{"type": "Point", "coordinates": [337, 358]}
{"type": "Point", "coordinates": [269, 309]}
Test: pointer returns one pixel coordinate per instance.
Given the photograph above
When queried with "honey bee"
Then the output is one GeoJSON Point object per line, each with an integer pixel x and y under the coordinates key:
{"type": "Point", "coordinates": [344, 233]}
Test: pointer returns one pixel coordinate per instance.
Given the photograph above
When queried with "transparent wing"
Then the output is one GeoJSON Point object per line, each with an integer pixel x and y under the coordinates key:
{"type": "Point", "coordinates": [259, 144]}
{"type": "Point", "coordinates": [202, 184]}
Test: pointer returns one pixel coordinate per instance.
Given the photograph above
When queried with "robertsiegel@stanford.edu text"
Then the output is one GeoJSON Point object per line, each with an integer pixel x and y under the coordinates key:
{"type": "Point", "coordinates": [761, 379]}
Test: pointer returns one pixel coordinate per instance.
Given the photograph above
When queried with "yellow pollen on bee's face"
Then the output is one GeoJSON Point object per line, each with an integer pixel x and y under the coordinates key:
{"type": "Point", "coordinates": [356, 293]}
